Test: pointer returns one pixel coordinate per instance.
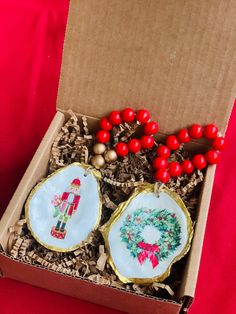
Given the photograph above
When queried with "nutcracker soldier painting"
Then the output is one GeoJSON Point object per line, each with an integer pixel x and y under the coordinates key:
{"type": "Point", "coordinates": [65, 207]}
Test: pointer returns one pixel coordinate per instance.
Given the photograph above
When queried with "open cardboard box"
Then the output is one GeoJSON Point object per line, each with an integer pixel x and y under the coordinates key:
{"type": "Point", "coordinates": [172, 57]}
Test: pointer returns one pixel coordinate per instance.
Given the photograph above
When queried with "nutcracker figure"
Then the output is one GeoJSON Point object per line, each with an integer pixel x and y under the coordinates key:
{"type": "Point", "coordinates": [65, 206]}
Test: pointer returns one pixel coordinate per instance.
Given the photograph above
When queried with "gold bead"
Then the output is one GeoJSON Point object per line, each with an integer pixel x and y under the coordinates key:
{"type": "Point", "coordinates": [99, 148]}
{"type": "Point", "coordinates": [98, 161]}
{"type": "Point", "coordinates": [110, 155]}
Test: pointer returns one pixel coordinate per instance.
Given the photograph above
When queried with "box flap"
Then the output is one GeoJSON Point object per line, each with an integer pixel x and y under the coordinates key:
{"type": "Point", "coordinates": [176, 58]}
{"type": "Point", "coordinates": [191, 270]}
{"type": "Point", "coordinates": [85, 289]}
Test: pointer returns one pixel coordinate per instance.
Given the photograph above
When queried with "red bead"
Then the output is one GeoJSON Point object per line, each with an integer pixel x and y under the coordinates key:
{"type": "Point", "coordinates": [210, 131]}
{"type": "Point", "coordinates": [187, 166]}
{"type": "Point", "coordinates": [162, 175]}
{"type": "Point", "coordinates": [219, 143]}
{"type": "Point", "coordinates": [195, 131]}
{"type": "Point", "coordinates": [172, 142]}
{"type": "Point", "coordinates": [122, 149]}
{"type": "Point", "coordinates": [134, 145]}
{"type": "Point", "coordinates": [102, 136]}
{"type": "Point", "coordinates": [212, 157]}
{"type": "Point", "coordinates": [183, 136]}
{"type": "Point", "coordinates": [147, 141]}
{"type": "Point", "coordinates": [115, 118]}
{"type": "Point", "coordinates": [175, 169]}
{"type": "Point", "coordinates": [143, 116]}
{"type": "Point", "coordinates": [163, 151]}
{"type": "Point", "coordinates": [199, 161]}
{"type": "Point", "coordinates": [151, 128]}
{"type": "Point", "coordinates": [128, 115]}
{"type": "Point", "coordinates": [160, 163]}
{"type": "Point", "coordinates": [105, 124]}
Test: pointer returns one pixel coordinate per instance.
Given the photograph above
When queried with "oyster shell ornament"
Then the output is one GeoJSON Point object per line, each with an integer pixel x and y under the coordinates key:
{"type": "Point", "coordinates": [147, 234]}
{"type": "Point", "coordinates": [63, 209]}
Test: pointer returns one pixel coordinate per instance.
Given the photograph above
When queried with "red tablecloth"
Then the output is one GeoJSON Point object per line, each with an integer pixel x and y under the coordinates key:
{"type": "Point", "coordinates": [31, 37]}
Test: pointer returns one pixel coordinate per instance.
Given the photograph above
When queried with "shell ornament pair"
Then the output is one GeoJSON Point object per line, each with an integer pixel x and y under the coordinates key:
{"type": "Point", "coordinates": [144, 236]}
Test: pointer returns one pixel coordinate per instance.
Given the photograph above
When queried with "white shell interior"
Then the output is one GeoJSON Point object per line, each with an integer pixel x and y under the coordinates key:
{"type": "Point", "coordinates": [40, 208]}
{"type": "Point", "coordinates": [125, 264]}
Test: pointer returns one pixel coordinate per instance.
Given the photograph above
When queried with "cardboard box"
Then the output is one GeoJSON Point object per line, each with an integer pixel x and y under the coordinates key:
{"type": "Point", "coordinates": [174, 58]}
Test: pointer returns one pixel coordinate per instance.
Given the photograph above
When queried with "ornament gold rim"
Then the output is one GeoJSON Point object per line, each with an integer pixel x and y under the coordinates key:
{"type": "Point", "coordinates": [97, 176]}
{"type": "Point", "coordinates": [105, 229]}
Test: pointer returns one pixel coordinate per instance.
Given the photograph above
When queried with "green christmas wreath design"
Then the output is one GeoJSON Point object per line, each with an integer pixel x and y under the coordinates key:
{"type": "Point", "coordinates": [165, 222]}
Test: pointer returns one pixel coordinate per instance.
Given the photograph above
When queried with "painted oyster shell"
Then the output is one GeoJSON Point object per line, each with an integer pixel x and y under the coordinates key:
{"type": "Point", "coordinates": [62, 210]}
{"type": "Point", "coordinates": [147, 234]}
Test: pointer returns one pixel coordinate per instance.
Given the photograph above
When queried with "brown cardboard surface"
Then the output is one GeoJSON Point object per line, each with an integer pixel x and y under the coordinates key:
{"type": "Point", "coordinates": [192, 267]}
{"type": "Point", "coordinates": [86, 290]}
{"type": "Point", "coordinates": [35, 171]}
{"type": "Point", "coordinates": [176, 58]}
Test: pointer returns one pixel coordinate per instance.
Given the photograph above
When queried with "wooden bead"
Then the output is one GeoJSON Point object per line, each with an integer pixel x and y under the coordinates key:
{"type": "Point", "coordinates": [98, 161]}
{"type": "Point", "coordinates": [110, 155]}
{"type": "Point", "coordinates": [99, 148]}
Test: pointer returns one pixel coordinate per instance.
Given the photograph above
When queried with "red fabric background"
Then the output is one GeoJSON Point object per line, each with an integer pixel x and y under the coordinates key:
{"type": "Point", "coordinates": [31, 37]}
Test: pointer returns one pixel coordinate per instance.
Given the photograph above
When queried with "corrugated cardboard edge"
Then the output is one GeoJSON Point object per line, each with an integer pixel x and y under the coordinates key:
{"type": "Point", "coordinates": [35, 170]}
{"type": "Point", "coordinates": [180, 66]}
{"type": "Point", "coordinates": [85, 289]}
{"type": "Point", "coordinates": [39, 276]}
{"type": "Point", "coordinates": [186, 303]}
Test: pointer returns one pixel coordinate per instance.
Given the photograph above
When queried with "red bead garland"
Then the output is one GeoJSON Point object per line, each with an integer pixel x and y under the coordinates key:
{"type": "Point", "coordinates": [218, 143]}
{"type": "Point", "coordinates": [122, 149]}
{"type": "Point", "coordinates": [210, 131]}
{"type": "Point", "coordinates": [103, 136]}
{"type": "Point", "coordinates": [162, 175]}
{"type": "Point", "coordinates": [160, 163]}
{"type": "Point", "coordinates": [195, 131]}
{"type": "Point", "coordinates": [212, 157]}
{"type": "Point", "coordinates": [115, 118]}
{"type": "Point", "coordinates": [187, 166]}
{"type": "Point", "coordinates": [147, 141]}
{"type": "Point", "coordinates": [172, 143]}
{"type": "Point", "coordinates": [199, 161]}
{"type": "Point", "coordinates": [128, 115]}
{"type": "Point", "coordinates": [134, 145]}
{"type": "Point", "coordinates": [175, 169]}
{"type": "Point", "coordinates": [163, 151]}
{"type": "Point", "coordinates": [151, 128]}
{"type": "Point", "coordinates": [105, 124]}
{"type": "Point", "coordinates": [164, 170]}
{"type": "Point", "coordinates": [183, 136]}
{"type": "Point", "coordinates": [143, 116]}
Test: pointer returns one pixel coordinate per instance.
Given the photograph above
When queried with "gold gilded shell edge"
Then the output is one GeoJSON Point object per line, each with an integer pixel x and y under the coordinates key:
{"type": "Point", "coordinates": [86, 167]}
{"type": "Point", "coordinates": [105, 229]}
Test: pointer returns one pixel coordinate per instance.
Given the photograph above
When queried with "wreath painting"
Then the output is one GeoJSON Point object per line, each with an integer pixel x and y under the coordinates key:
{"type": "Point", "coordinates": [164, 222]}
